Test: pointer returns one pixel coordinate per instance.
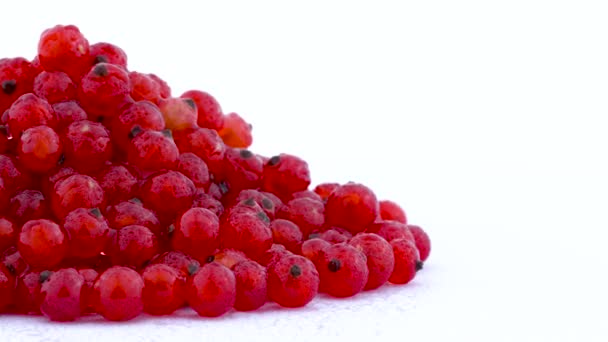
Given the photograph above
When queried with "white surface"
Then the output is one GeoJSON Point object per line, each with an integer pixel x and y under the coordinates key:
{"type": "Point", "coordinates": [484, 119]}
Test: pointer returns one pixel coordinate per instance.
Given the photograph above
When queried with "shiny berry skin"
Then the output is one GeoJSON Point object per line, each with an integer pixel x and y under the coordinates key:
{"type": "Point", "coordinates": [422, 241]}
{"type": "Point", "coordinates": [196, 233]}
{"type": "Point", "coordinates": [64, 48]}
{"type": "Point", "coordinates": [306, 213]}
{"type": "Point", "coordinates": [307, 194]}
{"type": "Point", "coordinates": [203, 142]}
{"type": "Point", "coordinates": [87, 296]}
{"type": "Point", "coordinates": [352, 206]}
{"type": "Point", "coordinates": [286, 233]}
{"type": "Point", "coordinates": [73, 192]}
{"type": "Point", "coordinates": [42, 243]}
{"type": "Point", "coordinates": [407, 261]}
{"type": "Point", "coordinates": [53, 177]}
{"type": "Point", "coordinates": [285, 174]}
{"type": "Point", "coordinates": [313, 249]}
{"type": "Point", "coordinates": [212, 291]}
{"type": "Point", "coordinates": [108, 53]}
{"type": "Point", "coordinates": [380, 258]}
{"type": "Point", "coordinates": [293, 281]}
{"type": "Point", "coordinates": [7, 288]}
{"type": "Point", "coordinates": [132, 213]}
{"type": "Point", "coordinates": [229, 257]}
{"type": "Point", "coordinates": [236, 132]}
{"type": "Point", "coordinates": [118, 294]}
{"type": "Point", "coordinates": [11, 258]}
{"type": "Point", "coordinates": [390, 210]}
{"type": "Point", "coordinates": [391, 230]}
{"type": "Point", "coordinates": [54, 87]}
{"type": "Point", "coordinates": [168, 193]}
{"type": "Point", "coordinates": [118, 183]}
{"type": "Point", "coordinates": [185, 264]}
{"type": "Point", "coordinates": [39, 149]}
{"type": "Point", "coordinates": [242, 169]}
{"type": "Point", "coordinates": [343, 270]}
{"type": "Point", "coordinates": [179, 114]}
{"type": "Point", "coordinates": [60, 295]}
{"type": "Point", "coordinates": [272, 255]}
{"type": "Point", "coordinates": [16, 78]}
{"type": "Point", "coordinates": [165, 90]}
{"type": "Point", "coordinates": [203, 200]}
{"type": "Point", "coordinates": [143, 87]}
{"type": "Point", "coordinates": [87, 231]}
{"type": "Point", "coordinates": [104, 89]}
{"type": "Point", "coordinates": [336, 235]}
{"type": "Point", "coordinates": [87, 146]}
{"type": "Point", "coordinates": [209, 111]}
{"type": "Point", "coordinates": [246, 231]}
{"type": "Point", "coordinates": [251, 285]}
{"type": "Point", "coordinates": [29, 111]}
{"type": "Point", "coordinates": [27, 292]}
{"type": "Point", "coordinates": [263, 200]}
{"type": "Point", "coordinates": [143, 114]}
{"type": "Point", "coordinates": [133, 246]}
{"type": "Point", "coordinates": [8, 234]}
{"type": "Point", "coordinates": [325, 189]}
{"type": "Point", "coordinates": [153, 151]}
{"type": "Point", "coordinates": [164, 289]}
{"type": "Point", "coordinates": [68, 112]}
{"type": "Point", "coordinates": [194, 168]}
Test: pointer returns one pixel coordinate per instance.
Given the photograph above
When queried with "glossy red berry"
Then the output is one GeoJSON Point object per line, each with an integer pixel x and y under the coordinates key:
{"type": "Point", "coordinates": [86, 140]}
{"type": "Point", "coordinates": [60, 295]}
{"type": "Point", "coordinates": [8, 234]}
{"type": "Point", "coordinates": [7, 288]}
{"type": "Point", "coordinates": [168, 193]}
{"type": "Point", "coordinates": [251, 285]}
{"type": "Point", "coordinates": [242, 170]}
{"type": "Point", "coordinates": [108, 53]}
{"type": "Point", "coordinates": [307, 194]}
{"type": "Point", "coordinates": [407, 261]}
{"type": "Point", "coordinates": [306, 213]}
{"type": "Point", "coordinates": [185, 264]}
{"type": "Point", "coordinates": [343, 270]}
{"type": "Point", "coordinates": [54, 87]}
{"type": "Point", "coordinates": [118, 294]}
{"type": "Point", "coordinates": [153, 151]}
{"type": "Point", "coordinates": [293, 281]}
{"type": "Point", "coordinates": [132, 213]}
{"type": "Point", "coordinates": [39, 149]}
{"type": "Point", "coordinates": [196, 233]}
{"type": "Point", "coordinates": [236, 132]}
{"type": "Point", "coordinates": [194, 168]}
{"type": "Point", "coordinates": [27, 291]}
{"type": "Point", "coordinates": [380, 258]}
{"type": "Point", "coordinates": [179, 114]}
{"type": "Point", "coordinates": [325, 189]}
{"type": "Point", "coordinates": [73, 192]}
{"type": "Point", "coordinates": [87, 294]}
{"type": "Point", "coordinates": [165, 90]}
{"type": "Point", "coordinates": [391, 230]}
{"type": "Point", "coordinates": [133, 246]}
{"type": "Point", "coordinates": [164, 289]}
{"type": "Point", "coordinates": [212, 291]}
{"type": "Point", "coordinates": [313, 249]}
{"type": "Point", "coordinates": [203, 142]}
{"type": "Point", "coordinates": [29, 111]}
{"type": "Point", "coordinates": [16, 78]}
{"type": "Point", "coordinates": [143, 87]}
{"type": "Point", "coordinates": [422, 241]}
{"type": "Point", "coordinates": [209, 111]}
{"type": "Point", "coordinates": [272, 255]}
{"type": "Point", "coordinates": [263, 200]}
{"type": "Point", "coordinates": [352, 206]}
{"type": "Point", "coordinates": [144, 115]}
{"type": "Point", "coordinates": [68, 112]}
{"type": "Point", "coordinates": [64, 48]}
{"type": "Point", "coordinates": [118, 183]}
{"type": "Point", "coordinates": [42, 243]}
{"type": "Point", "coordinates": [229, 257]}
{"type": "Point", "coordinates": [286, 233]}
{"type": "Point", "coordinates": [87, 231]}
{"type": "Point", "coordinates": [247, 231]}
{"type": "Point", "coordinates": [285, 174]}
{"type": "Point", "coordinates": [392, 211]}
{"type": "Point", "coordinates": [203, 200]}
{"type": "Point", "coordinates": [11, 258]}
{"type": "Point", "coordinates": [104, 89]}
{"type": "Point", "coordinates": [336, 235]}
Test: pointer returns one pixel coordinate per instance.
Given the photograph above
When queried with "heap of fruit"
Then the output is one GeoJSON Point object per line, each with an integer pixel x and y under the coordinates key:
{"type": "Point", "coordinates": [118, 198]}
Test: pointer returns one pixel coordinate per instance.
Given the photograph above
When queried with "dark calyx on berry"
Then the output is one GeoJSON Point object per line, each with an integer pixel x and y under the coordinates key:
{"type": "Point", "coordinates": [190, 103]}
{"type": "Point", "coordinates": [170, 229]}
{"type": "Point", "coordinates": [245, 154]}
{"type": "Point", "coordinates": [193, 268]}
{"type": "Point", "coordinates": [4, 130]}
{"type": "Point", "coordinates": [101, 59]}
{"type": "Point", "coordinates": [334, 265]}
{"type": "Point", "coordinates": [95, 212]}
{"type": "Point", "coordinates": [61, 159]}
{"type": "Point", "coordinates": [9, 86]}
{"type": "Point", "coordinates": [167, 133]}
{"type": "Point", "coordinates": [274, 160]}
{"type": "Point", "coordinates": [250, 202]}
{"type": "Point", "coordinates": [210, 259]}
{"type": "Point", "coordinates": [295, 271]}
{"type": "Point", "coordinates": [101, 70]}
{"type": "Point", "coordinates": [44, 276]}
{"type": "Point", "coordinates": [267, 204]}
{"type": "Point", "coordinates": [419, 265]}
{"type": "Point", "coordinates": [135, 131]}
{"type": "Point", "coordinates": [262, 216]}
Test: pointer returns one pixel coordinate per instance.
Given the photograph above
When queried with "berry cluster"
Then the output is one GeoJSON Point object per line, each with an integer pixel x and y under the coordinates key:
{"type": "Point", "coordinates": [117, 198]}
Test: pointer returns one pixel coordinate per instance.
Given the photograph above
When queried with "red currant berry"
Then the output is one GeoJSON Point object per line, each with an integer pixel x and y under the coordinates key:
{"type": "Point", "coordinates": [407, 261]}
{"type": "Point", "coordinates": [210, 113]}
{"type": "Point", "coordinates": [64, 48]}
{"type": "Point", "coordinates": [168, 193]}
{"type": "Point", "coordinates": [133, 246]}
{"type": "Point", "coordinates": [194, 168]}
{"type": "Point", "coordinates": [392, 211]}
{"type": "Point", "coordinates": [163, 291]}
{"type": "Point", "coordinates": [73, 192]}
{"type": "Point", "coordinates": [27, 291]}
{"type": "Point", "coordinates": [16, 78]}
{"type": "Point", "coordinates": [60, 295]}
{"type": "Point", "coordinates": [352, 206]}
{"type": "Point", "coordinates": [7, 288]}
{"type": "Point", "coordinates": [422, 241]}
{"type": "Point", "coordinates": [8, 234]}
{"type": "Point", "coordinates": [68, 112]}
{"type": "Point", "coordinates": [118, 183]}
{"type": "Point", "coordinates": [54, 87]}
{"type": "Point", "coordinates": [179, 114]}
{"type": "Point", "coordinates": [336, 235]}
{"type": "Point", "coordinates": [313, 249]}
{"type": "Point", "coordinates": [132, 213]}
{"type": "Point", "coordinates": [203, 200]}
{"type": "Point", "coordinates": [391, 230]}
{"type": "Point", "coordinates": [306, 213]}
{"type": "Point", "coordinates": [325, 189]}
{"type": "Point", "coordinates": [87, 295]}
{"type": "Point", "coordinates": [143, 87]}
{"type": "Point", "coordinates": [205, 143]}
{"type": "Point", "coordinates": [251, 285]}
{"type": "Point", "coordinates": [236, 132]}
{"type": "Point", "coordinates": [273, 254]}
{"type": "Point", "coordinates": [104, 89]}
{"type": "Point", "coordinates": [29, 111]}
{"type": "Point", "coordinates": [380, 258]}
{"type": "Point", "coordinates": [118, 294]}
{"type": "Point", "coordinates": [165, 90]}
{"type": "Point", "coordinates": [39, 149]}
{"type": "Point", "coordinates": [87, 232]}
{"type": "Point", "coordinates": [212, 291]}
{"type": "Point", "coordinates": [293, 281]}
{"type": "Point", "coordinates": [143, 114]}
{"type": "Point", "coordinates": [286, 233]}
{"type": "Point", "coordinates": [11, 258]}
{"type": "Point", "coordinates": [42, 243]}
{"type": "Point", "coordinates": [196, 233]}
{"type": "Point", "coordinates": [343, 270]}
{"type": "Point", "coordinates": [263, 200]}
{"type": "Point", "coordinates": [229, 257]}
{"type": "Point", "coordinates": [87, 141]}
{"type": "Point", "coordinates": [307, 194]}
{"type": "Point", "coordinates": [185, 264]}
{"type": "Point", "coordinates": [153, 151]}
{"type": "Point", "coordinates": [53, 177]}
{"type": "Point", "coordinates": [242, 170]}
{"type": "Point", "coordinates": [246, 231]}
{"type": "Point", "coordinates": [108, 53]}
{"type": "Point", "coordinates": [285, 174]}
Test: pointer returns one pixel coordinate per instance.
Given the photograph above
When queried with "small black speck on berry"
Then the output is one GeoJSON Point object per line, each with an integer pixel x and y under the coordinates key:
{"type": "Point", "coordinates": [44, 276]}
{"type": "Point", "coordinates": [100, 70]}
{"type": "Point", "coordinates": [274, 160]}
{"type": "Point", "coordinates": [167, 133]}
{"type": "Point", "coordinates": [246, 154]}
{"type": "Point", "coordinates": [95, 212]}
{"type": "Point", "coordinates": [101, 59]}
{"type": "Point", "coordinates": [135, 200]}
{"type": "Point", "coordinates": [419, 265]}
{"type": "Point", "coordinates": [135, 131]}
{"type": "Point", "coordinates": [262, 216]}
{"type": "Point", "coordinates": [9, 86]}
{"type": "Point", "coordinates": [223, 187]}
{"type": "Point", "coordinates": [210, 259]}
{"type": "Point", "coordinates": [192, 269]}
{"type": "Point", "coordinates": [190, 103]}
{"type": "Point", "coordinates": [267, 204]}
{"type": "Point", "coordinates": [249, 202]}
{"type": "Point", "coordinates": [61, 159]}
{"type": "Point", "coordinates": [334, 265]}
{"type": "Point", "coordinates": [11, 269]}
{"type": "Point", "coordinates": [295, 271]}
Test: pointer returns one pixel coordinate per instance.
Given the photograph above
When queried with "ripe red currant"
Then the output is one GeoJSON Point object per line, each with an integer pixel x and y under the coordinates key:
{"type": "Point", "coordinates": [42, 243]}
{"type": "Point", "coordinates": [293, 281]}
{"type": "Point", "coordinates": [212, 291]}
{"type": "Point", "coordinates": [118, 294]}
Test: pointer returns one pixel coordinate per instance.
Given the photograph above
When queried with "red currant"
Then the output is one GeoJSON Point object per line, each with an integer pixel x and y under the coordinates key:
{"type": "Point", "coordinates": [42, 243]}
{"type": "Point", "coordinates": [407, 261]}
{"type": "Point", "coordinates": [251, 285]}
{"type": "Point", "coordinates": [118, 294]}
{"type": "Point", "coordinates": [380, 258]}
{"type": "Point", "coordinates": [163, 291]}
{"type": "Point", "coordinates": [392, 211]}
{"type": "Point", "coordinates": [343, 270]}
{"type": "Point", "coordinates": [212, 291]}
{"type": "Point", "coordinates": [209, 111]}
{"type": "Point", "coordinates": [196, 233]}
{"type": "Point", "coordinates": [87, 232]}
{"type": "Point", "coordinates": [422, 241]}
{"type": "Point", "coordinates": [352, 206]}
{"type": "Point", "coordinates": [60, 295]}
{"type": "Point", "coordinates": [293, 281]}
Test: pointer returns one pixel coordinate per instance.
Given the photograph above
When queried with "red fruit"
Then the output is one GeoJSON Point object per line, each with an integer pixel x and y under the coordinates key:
{"type": "Point", "coordinates": [229, 257]}
{"type": "Point", "coordinates": [251, 285]}
{"type": "Point", "coordinates": [293, 281]}
{"type": "Point", "coordinates": [196, 233]}
{"type": "Point", "coordinates": [16, 78]}
{"type": "Point", "coordinates": [108, 53]}
{"type": "Point", "coordinates": [11, 258]}
{"type": "Point", "coordinates": [307, 194]}
{"type": "Point", "coordinates": [60, 295]}
{"type": "Point", "coordinates": [185, 264]}
{"type": "Point", "coordinates": [132, 213]}
{"type": "Point", "coordinates": [264, 200]}
{"type": "Point", "coordinates": [29, 111]}
{"type": "Point", "coordinates": [118, 183]}
{"type": "Point", "coordinates": [68, 112]}
{"type": "Point", "coordinates": [42, 243]}
{"type": "Point", "coordinates": [236, 132]}
{"type": "Point", "coordinates": [286, 233]}
{"type": "Point", "coordinates": [165, 90]}
{"type": "Point", "coordinates": [163, 291]}
{"type": "Point", "coordinates": [306, 213]}
{"type": "Point", "coordinates": [380, 258]}
{"type": "Point", "coordinates": [336, 235]}
{"type": "Point", "coordinates": [343, 270]}
{"type": "Point", "coordinates": [133, 246]}
{"type": "Point", "coordinates": [54, 87]}
{"type": "Point", "coordinates": [75, 191]}
{"type": "Point", "coordinates": [422, 241]}
{"type": "Point", "coordinates": [391, 230]}
{"type": "Point", "coordinates": [104, 89]}
{"type": "Point", "coordinates": [179, 114]}
{"type": "Point", "coordinates": [143, 87]}
{"type": "Point", "coordinates": [202, 200]}
{"type": "Point", "coordinates": [313, 249]}
{"type": "Point", "coordinates": [13, 176]}
{"type": "Point", "coordinates": [203, 142]}
{"type": "Point", "coordinates": [352, 206]}
{"type": "Point", "coordinates": [118, 294]}
{"type": "Point", "coordinates": [273, 255]}
{"type": "Point", "coordinates": [27, 291]}
{"type": "Point", "coordinates": [212, 291]}
{"type": "Point", "coordinates": [143, 114]}
{"type": "Point", "coordinates": [6, 143]}
{"type": "Point", "coordinates": [168, 193]}
{"type": "Point", "coordinates": [64, 48]}
{"type": "Point", "coordinates": [209, 111]}
{"type": "Point", "coordinates": [194, 168]}
{"type": "Point", "coordinates": [87, 232]}
{"type": "Point", "coordinates": [53, 177]}
{"type": "Point", "coordinates": [8, 234]}
{"type": "Point", "coordinates": [87, 141]}
{"type": "Point", "coordinates": [7, 288]}
{"type": "Point", "coordinates": [392, 211]}
{"type": "Point", "coordinates": [87, 294]}
{"type": "Point", "coordinates": [39, 149]}
{"type": "Point", "coordinates": [325, 189]}
{"type": "Point", "coordinates": [407, 261]}
{"type": "Point", "coordinates": [285, 174]}
{"type": "Point", "coordinates": [246, 231]}
{"type": "Point", "coordinates": [242, 170]}
{"type": "Point", "coordinates": [153, 151]}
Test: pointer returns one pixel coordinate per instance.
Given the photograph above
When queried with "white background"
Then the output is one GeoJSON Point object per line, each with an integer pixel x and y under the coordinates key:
{"type": "Point", "coordinates": [484, 119]}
